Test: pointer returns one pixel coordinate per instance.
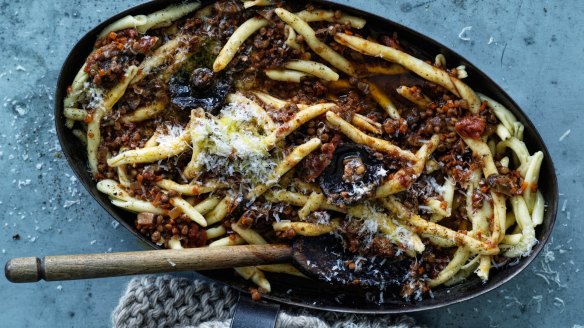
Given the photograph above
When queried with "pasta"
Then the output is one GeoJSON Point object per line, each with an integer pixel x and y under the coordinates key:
{"type": "Point", "coordinates": [124, 23]}
{"type": "Point", "coordinates": [329, 16]}
{"type": "Point", "coordinates": [285, 75]}
{"type": "Point", "coordinates": [257, 128]}
{"type": "Point", "coordinates": [167, 16]}
{"type": "Point", "coordinates": [236, 40]}
{"type": "Point", "coordinates": [314, 68]}
{"type": "Point", "coordinates": [320, 48]}
{"type": "Point", "coordinates": [415, 65]}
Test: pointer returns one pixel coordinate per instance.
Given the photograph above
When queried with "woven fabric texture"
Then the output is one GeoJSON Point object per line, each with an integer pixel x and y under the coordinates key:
{"type": "Point", "coordinates": [172, 302]}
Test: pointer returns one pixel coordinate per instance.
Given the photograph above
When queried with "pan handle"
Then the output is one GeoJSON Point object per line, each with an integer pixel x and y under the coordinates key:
{"type": "Point", "coordinates": [251, 314]}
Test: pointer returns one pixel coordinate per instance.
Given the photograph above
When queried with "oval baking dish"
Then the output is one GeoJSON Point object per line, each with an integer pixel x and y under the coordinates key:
{"type": "Point", "coordinates": [301, 292]}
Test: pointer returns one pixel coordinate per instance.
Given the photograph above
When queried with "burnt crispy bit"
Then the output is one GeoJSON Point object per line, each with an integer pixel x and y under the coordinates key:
{"type": "Point", "coordinates": [353, 174]}
{"type": "Point", "coordinates": [200, 88]}
{"type": "Point", "coordinates": [325, 257]}
{"type": "Point", "coordinates": [202, 78]}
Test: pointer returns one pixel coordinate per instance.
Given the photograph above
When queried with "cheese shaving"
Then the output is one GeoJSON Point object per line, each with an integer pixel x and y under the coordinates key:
{"type": "Point", "coordinates": [173, 133]}
{"type": "Point", "coordinates": [95, 96]}
{"type": "Point", "coordinates": [463, 33]}
{"type": "Point", "coordinates": [232, 144]}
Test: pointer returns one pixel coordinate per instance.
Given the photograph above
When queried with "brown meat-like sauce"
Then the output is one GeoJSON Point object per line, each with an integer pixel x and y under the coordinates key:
{"type": "Point", "coordinates": [114, 53]}
{"type": "Point", "coordinates": [471, 126]}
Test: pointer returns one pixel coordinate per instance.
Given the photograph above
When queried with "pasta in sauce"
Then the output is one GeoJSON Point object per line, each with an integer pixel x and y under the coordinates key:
{"type": "Point", "coordinates": [258, 121]}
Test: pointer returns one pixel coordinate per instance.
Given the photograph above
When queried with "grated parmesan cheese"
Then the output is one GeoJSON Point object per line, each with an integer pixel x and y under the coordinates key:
{"type": "Point", "coordinates": [565, 135]}
{"type": "Point", "coordinates": [234, 144]}
{"type": "Point", "coordinates": [173, 132]}
{"type": "Point", "coordinates": [95, 95]}
{"type": "Point", "coordinates": [537, 299]}
{"type": "Point", "coordinates": [546, 272]}
{"type": "Point", "coordinates": [322, 217]}
{"type": "Point", "coordinates": [558, 302]}
{"type": "Point", "coordinates": [463, 33]}
{"type": "Point", "coordinates": [403, 235]}
{"type": "Point", "coordinates": [368, 231]}
{"type": "Point", "coordinates": [69, 203]}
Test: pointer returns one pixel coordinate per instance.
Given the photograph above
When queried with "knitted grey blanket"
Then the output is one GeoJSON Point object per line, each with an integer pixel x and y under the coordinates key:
{"type": "Point", "coordinates": [171, 302]}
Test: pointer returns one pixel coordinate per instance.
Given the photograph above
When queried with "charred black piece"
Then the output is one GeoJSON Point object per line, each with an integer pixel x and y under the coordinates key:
{"type": "Point", "coordinates": [202, 78]}
{"type": "Point", "coordinates": [353, 174]}
{"type": "Point", "coordinates": [325, 258]}
{"type": "Point", "coordinates": [201, 88]}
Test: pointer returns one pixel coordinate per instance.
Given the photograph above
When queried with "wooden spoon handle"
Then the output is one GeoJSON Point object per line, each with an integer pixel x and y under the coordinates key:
{"type": "Point", "coordinates": [85, 266]}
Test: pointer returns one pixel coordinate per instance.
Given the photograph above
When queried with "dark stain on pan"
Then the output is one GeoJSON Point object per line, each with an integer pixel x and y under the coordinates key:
{"type": "Point", "coordinates": [313, 294]}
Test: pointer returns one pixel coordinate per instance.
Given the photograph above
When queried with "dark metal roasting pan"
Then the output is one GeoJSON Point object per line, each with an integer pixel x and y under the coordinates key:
{"type": "Point", "coordinates": [312, 294]}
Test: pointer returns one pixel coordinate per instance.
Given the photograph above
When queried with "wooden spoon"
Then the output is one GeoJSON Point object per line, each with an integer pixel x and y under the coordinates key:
{"type": "Point", "coordinates": [322, 258]}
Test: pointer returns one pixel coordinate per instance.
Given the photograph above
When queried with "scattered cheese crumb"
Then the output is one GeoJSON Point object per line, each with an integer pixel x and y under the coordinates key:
{"type": "Point", "coordinates": [537, 299]}
{"type": "Point", "coordinates": [23, 183]}
{"type": "Point", "coordinates": [558, 302]}
{"type": "Point", "coordinates": [69, 203]}
{"type": "Point", "coordinates": [462, 35]}
{"type": "Point", "coordinates": [546, 272]}
{"type": "Point", "coordinates": [514, 300]}
{"type": "Point", "coordinates": [173, 132]}
{"type": "Point", "coordinates": [20, 109]}
{"type": "Point", "coordinates": [565, 135]}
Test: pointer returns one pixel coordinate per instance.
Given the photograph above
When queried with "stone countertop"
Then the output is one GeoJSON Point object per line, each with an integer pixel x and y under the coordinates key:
{"type": "Point", "coordinates": [533, 49]}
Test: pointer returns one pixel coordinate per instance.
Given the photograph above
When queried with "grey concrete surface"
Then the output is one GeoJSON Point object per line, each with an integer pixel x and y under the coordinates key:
{"type": "Point", "coordinates": [534, 49]}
